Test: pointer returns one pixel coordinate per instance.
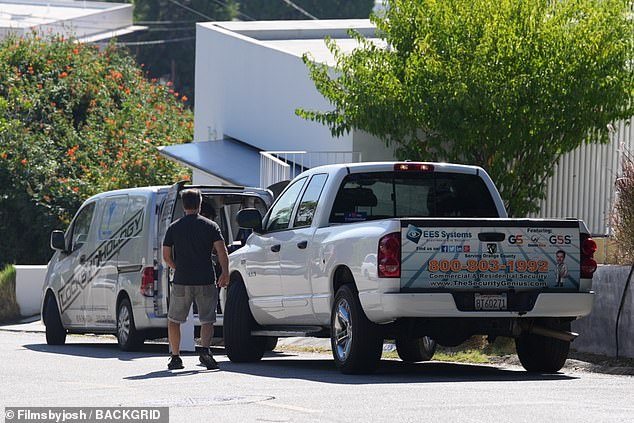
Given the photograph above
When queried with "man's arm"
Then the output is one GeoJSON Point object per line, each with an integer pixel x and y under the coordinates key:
{"type": "Point", "coordinates": [167, 256]}
{"type": "Point", "coordinates": [223, 260]}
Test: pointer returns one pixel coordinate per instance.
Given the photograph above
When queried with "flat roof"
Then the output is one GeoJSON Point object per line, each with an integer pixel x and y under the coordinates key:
{"type": "Point", "coordinates": [297, 37]}
{"type": "Point", "coordinates": [96, 20]}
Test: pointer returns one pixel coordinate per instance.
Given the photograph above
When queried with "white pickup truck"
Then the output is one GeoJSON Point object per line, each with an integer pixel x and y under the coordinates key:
{"type": "Point", "coordinates": [419, 253]}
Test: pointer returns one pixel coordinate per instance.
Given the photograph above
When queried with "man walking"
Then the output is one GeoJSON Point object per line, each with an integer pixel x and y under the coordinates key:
{"type": "Point", "coordinates": [187, 249]}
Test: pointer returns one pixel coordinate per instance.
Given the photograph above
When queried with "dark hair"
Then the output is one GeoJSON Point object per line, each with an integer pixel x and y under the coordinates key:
{"type": "Point", "coordinates": [561, 252]}
{"type": "Point", "coordinates": [191, 199]}
{"type": "Point", "coordinates": [207, 211]}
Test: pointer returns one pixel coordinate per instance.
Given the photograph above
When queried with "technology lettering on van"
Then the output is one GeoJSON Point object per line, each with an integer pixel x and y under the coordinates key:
{"type": "Point", "coordinates": [70, 291]}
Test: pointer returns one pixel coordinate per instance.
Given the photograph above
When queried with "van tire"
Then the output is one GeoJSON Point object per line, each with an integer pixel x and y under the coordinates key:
{"type": "Point", "coordinates": [55, 332]}
{"type": "Point", "coordinates": [355, 341]}
{"type": "Point", "coordinates": [240, 345]}
{"type": "Point", "coordinates": [541, 354]}
{"type": "Point", "coordinates": [413, 350]}
{"type": "Point", "coordinates": [128, 337]}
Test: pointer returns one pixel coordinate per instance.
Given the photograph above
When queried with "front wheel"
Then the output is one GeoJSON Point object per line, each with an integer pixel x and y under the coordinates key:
{"type": "Point", "coordinates": [55, 332]}
{"type": "Point", "coordinates": [540, 354]}
{"type": "Point", "coordinates": [413, 350]}
{"type": "Point", "coordinates": [128, 337]}
{"type": "Point", "coordinates": [356, 342]}
{"type": "Point", "coordinates": [240, 345]}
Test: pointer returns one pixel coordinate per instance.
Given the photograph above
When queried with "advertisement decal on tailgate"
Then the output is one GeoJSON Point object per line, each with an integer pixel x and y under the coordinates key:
{"type": "Point", "coordinates": [489, 257]}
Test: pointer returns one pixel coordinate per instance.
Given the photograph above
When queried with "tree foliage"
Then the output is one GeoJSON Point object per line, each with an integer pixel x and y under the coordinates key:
{"type": "Point", "coordinates": [75, 121]}
{"type": "Point", "coordinates": [171, 36]}
{"type": "Point", "coordinates": [623, 215]}
{"type": "Point", "coordinates": [510, 85]}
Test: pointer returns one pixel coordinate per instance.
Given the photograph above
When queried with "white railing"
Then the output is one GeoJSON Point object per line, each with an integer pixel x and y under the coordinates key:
{"type": "Point", "coordinates": [276, 166]}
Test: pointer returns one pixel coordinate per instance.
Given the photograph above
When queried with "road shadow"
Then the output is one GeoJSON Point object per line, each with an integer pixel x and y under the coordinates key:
{"type": "Point", "coordinates": [320, 368]}
{"type": "Point", "coordinates": [104, 350]}
{"type": "Point", "coordinates": [323, 370]}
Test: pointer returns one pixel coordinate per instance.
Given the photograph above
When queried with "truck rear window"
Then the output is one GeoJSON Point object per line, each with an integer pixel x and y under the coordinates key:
{"type": "Point", "coordinates": [371, 196]}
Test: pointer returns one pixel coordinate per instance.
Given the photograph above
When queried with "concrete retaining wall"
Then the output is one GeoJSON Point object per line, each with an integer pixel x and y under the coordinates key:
{"type": "Point", "coordinates": [28, 288]}
{"type": "Point", "coordinates": [597, 332]}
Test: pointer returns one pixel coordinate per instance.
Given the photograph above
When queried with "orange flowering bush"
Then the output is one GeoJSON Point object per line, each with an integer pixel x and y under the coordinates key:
{"type": "Point", "coordinates": [75, 120]}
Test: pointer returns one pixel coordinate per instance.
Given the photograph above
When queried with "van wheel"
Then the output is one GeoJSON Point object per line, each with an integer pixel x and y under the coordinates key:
{"type": "Point", "coordinates": [55, 332]}
{"type": "Point", "coordinates": [541, 354]}
{"type": "Point", "coordinates": [413, 350]}
{"type": "Point", "coordinates": [355, 341]}
{"type": "Point", "coordinates": [240, 345]}
{"type": "Point", "coordinates": [128, 337]}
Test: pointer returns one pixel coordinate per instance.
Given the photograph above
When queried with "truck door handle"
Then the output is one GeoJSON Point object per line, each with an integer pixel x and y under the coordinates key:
{"type": "Point", "coordinates": [275, 248]}
{"type": "Point", "coordinates": [302, 244]}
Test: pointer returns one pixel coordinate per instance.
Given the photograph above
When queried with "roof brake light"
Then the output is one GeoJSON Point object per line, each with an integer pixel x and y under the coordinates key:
{"type": "Point", "coordinates": [415, 167]}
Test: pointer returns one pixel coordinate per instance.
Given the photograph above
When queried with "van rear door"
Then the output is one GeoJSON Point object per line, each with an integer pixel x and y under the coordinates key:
{"type": "Point", "coordinates": [165, 272]}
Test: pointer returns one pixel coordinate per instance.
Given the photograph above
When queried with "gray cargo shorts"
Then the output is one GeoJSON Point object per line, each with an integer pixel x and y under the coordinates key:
{"type": "Point", "coordinates": [182, 297]}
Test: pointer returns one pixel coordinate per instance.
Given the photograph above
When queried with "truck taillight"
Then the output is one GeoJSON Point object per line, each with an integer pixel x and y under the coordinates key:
{"type": "Point", "coordinates": [389, 257]}
{"type": "Point", "coordinates": [147, 282]}
{"type": "Point", "coordinates": [588, 264]}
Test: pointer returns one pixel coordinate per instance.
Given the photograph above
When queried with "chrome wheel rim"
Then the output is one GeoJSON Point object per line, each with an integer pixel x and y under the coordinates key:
{"type": "Point", "coordinates": [427, 343]}
{"type": "Point", "coordinates": [123, 328]}
{"type": "Point", "coordinates": [342, 330]}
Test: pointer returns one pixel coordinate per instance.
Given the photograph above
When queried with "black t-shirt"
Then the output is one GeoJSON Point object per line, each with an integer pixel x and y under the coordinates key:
{"type": "Point", "coordinates": [191, 238]}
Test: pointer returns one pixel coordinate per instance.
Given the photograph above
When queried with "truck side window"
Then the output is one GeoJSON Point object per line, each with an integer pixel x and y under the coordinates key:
{"type": "Point", "coordinates": [280, 215]}
{"type": "Point", "coordinates": [81, 226]}
{"type": "Point", "coordinates": [308, 204]}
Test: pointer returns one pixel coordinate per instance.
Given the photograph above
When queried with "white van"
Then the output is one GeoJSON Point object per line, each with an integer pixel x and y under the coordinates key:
{"type": "Point", "coordinates": [107, 275]}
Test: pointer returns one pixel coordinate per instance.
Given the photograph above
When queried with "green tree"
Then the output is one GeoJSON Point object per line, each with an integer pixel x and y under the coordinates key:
{"type": "Point", "coordinates": [510, 85]}
{"type": "Point", "coordinates": [75, 121]}
{"type": "Point", "coordinates": [168, 47]}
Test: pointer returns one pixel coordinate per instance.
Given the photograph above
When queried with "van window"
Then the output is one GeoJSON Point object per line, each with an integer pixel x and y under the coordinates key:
{"type": "Point", "coordinates": [112, 216]}
{"type": "Point", "coordinates": [136, 204]}
{"type": "Point", "coordinates": [81, 226]}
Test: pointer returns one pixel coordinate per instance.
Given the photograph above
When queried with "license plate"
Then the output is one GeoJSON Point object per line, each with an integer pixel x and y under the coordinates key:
{"type": "Point", "coordinates": [490, 301]}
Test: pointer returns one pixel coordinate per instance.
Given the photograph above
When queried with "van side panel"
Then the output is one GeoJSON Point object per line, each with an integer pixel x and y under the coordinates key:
{"type": "Point", "coordinates": [138, 253]}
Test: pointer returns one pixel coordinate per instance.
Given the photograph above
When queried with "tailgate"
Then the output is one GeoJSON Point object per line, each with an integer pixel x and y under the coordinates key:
{"type": "Point", "coordinates": [489, 254]}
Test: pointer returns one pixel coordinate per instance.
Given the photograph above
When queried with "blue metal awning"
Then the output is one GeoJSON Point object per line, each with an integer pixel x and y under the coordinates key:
{"type": "Point", "coordinates": [234, 161]}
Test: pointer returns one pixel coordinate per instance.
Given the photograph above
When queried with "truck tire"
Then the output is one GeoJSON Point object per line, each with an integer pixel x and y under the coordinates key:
{"type": "Point", "coordinates": [128, 337]}
{"type": "Point", "coordinates": [270, 343]}
{"type": "Point", "coordinates": [55, 332]}
{"type": "Point", "coordinates": [240, 345]}
{"type": "Point", "coordinates": [413, 350]}
{"type": "Point", "coordinates": [355, 341]}
{"type": "Point", "coordinates": [540, 354]}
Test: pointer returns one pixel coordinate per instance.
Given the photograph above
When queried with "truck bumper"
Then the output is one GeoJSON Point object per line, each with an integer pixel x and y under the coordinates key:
{"type": "Point", "coordinates": [387, 307]}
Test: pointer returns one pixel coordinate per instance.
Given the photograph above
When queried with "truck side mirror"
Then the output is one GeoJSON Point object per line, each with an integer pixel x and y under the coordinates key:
{"type": "Point", "coordinates": [250, 218]}
{"type": "Point", "coordinates": [57, 241]}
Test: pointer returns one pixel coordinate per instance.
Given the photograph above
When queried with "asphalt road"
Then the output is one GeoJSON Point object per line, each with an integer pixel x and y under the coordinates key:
{"type": "Point", "coordinates": [298, 387]}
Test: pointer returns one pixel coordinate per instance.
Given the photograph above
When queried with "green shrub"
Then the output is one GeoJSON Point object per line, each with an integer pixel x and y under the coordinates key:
{"type": "Point", "coordinates": [76, 120]}
{"type": "Point", "coordinates": [9, 309]}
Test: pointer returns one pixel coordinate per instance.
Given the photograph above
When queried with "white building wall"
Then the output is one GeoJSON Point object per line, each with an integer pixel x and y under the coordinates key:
{"type": "Point", "coordinates": [248, 91]}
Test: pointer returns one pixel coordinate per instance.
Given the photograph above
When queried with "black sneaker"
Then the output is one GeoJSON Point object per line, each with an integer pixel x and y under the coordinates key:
{"type": "Point", "coordinates": [208, 361]}
{"type": "Point", "coordinates": [175, 363]}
